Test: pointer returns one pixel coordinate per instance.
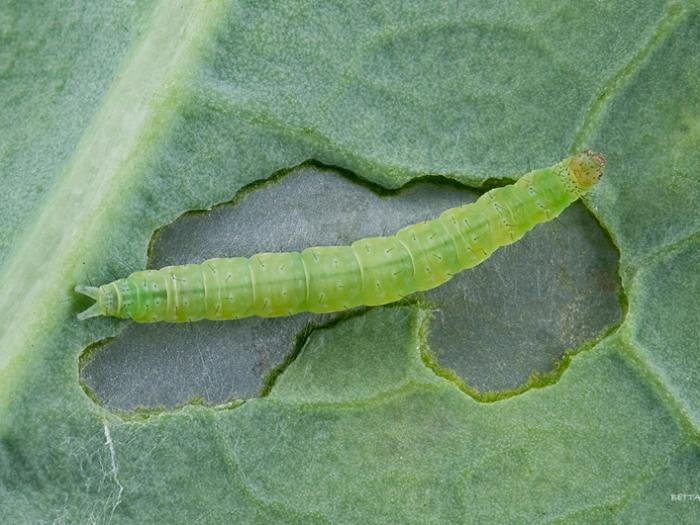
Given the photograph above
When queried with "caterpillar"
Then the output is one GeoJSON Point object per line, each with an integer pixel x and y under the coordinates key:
{"type": "Point", "coordinates": [371, 271]}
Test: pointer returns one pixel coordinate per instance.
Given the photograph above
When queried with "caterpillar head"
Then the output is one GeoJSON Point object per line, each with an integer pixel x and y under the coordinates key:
{"type": "Point", "coordinates": [586, 169]}
{"type": "Point", "coordinates": [105, 297]}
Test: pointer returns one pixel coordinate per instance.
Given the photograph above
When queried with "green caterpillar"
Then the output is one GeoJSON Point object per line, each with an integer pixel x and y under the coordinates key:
{"type": "Point", "coordinates": [371, 271]}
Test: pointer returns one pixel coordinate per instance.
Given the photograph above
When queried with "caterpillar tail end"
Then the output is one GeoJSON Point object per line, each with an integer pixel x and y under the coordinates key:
{"type": "Point", "coordinates": [93, 293]}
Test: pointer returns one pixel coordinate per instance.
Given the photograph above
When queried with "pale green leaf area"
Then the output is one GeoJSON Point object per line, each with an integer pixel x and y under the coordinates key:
{"type": "Point", "coordinates": [119, 117]}
{"type": "Point", "coordinates": [494, 326]}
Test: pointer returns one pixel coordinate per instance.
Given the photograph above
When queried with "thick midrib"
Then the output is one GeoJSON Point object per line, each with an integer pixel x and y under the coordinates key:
{"type": "Point", "coordinates": [100, 165]}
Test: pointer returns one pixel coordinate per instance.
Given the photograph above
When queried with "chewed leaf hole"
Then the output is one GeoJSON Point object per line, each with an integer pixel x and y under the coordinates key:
{"type": "Point", "coordinates": [550, 294]}
{"type": "Point", "coordinates": [492, 326]}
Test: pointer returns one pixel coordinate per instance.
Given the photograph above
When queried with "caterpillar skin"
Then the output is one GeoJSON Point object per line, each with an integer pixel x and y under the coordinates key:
{"type": "Point", "coordinates": [371, 271]}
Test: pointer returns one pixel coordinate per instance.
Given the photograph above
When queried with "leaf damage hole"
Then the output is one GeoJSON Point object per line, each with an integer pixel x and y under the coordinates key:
{"type": "Point", "coordinates": [494, 327]}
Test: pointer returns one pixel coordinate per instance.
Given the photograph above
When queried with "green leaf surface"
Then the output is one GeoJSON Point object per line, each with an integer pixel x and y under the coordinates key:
{"type": "Point", "coordinates": [116, 118]}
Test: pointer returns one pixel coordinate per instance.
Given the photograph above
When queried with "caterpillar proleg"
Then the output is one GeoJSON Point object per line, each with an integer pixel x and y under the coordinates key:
{"type": "Point", "coordinates": [371, 271]}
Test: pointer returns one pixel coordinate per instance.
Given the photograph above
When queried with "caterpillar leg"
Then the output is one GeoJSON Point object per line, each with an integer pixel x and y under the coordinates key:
{"type": "Point", "coordinates": [93, 293]}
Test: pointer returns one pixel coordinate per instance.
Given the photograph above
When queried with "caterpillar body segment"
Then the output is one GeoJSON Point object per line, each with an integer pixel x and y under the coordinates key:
{"type": "Point", "coordinates": [371, 271]}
